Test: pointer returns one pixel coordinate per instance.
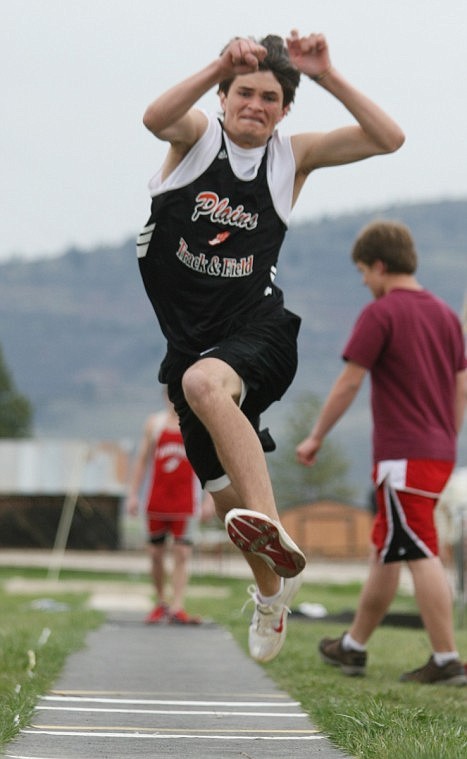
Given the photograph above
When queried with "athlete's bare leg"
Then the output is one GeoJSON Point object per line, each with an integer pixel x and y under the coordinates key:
{"type": "Point", "coordinates": [434, 599]}
{"type": "Point", "coordinates": [212, 389]}
{"type": "Point", "coordinates": [267, 581]}
{"type": "Point", "coordinates": [156, 553]}
{"type": "Point", "coordinates": [181, 555]}
{"type": "Point", "coordinates": [376, 596]}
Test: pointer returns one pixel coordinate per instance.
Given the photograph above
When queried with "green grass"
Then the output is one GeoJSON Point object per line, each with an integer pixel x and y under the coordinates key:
{"type": "Point", "coordinates": [34, 644]}
{"type": "Point", "coordinates": [374, 717]}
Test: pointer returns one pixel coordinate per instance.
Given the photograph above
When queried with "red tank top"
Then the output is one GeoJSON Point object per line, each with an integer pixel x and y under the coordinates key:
{"type": "Point", "coordinates": [175, 489]}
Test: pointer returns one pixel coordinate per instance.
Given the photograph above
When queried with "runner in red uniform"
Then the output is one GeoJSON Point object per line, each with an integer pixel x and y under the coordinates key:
{"type": "Point", "coordinates": [172, 510]}
{"type": "Point", "coordinates": [174, 497]}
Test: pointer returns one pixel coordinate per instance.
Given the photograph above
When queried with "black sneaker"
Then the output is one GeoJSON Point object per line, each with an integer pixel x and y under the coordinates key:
{"type": "Point", "coordinates": [352, 663]}
{"type": "Point", "coordinates": [452, 673]}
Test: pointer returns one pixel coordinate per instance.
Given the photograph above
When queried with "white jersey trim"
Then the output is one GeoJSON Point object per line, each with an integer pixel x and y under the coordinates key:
{"type": "Point", "coordinates": [280, 168]}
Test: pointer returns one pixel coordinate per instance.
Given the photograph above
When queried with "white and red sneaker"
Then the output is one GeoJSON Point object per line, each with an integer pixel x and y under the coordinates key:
{"type": "Point", "coordinates": [256, 533]}
{"type": "Point", "coordinates": [268, 627]}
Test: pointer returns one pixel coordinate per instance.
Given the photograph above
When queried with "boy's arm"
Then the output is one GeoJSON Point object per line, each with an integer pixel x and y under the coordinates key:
{"type": "Point", "coordinates": [375, 133]}
{"type": "Point", "coordinates": [336, 404]}
{"type": "Point", "coordinates": [171, 116]}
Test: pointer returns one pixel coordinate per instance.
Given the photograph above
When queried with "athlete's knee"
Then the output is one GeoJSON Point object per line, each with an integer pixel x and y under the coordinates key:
{"type": "Point", "coordinates": [209, 381]}
{"type": "Point", "coordinates": [197, 385]}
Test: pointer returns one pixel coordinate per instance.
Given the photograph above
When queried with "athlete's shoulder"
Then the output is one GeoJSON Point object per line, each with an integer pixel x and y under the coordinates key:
{"type": "Point", "coordinates": [194, 163]}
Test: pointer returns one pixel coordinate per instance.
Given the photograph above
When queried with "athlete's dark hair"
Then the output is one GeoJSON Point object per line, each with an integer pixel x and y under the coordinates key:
{"type": "Point", "coordinates": [389, 242]}
{"type": "Point", "coordinates": [278, 62]}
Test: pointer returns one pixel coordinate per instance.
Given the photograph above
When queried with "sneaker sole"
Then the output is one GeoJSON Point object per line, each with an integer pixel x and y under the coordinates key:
{"type": "Point", "coordinates": [255, 533]}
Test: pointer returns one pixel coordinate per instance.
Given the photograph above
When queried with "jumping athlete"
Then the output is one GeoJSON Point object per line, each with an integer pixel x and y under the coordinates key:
{"type": "Point", "coordinates": [208, 254]}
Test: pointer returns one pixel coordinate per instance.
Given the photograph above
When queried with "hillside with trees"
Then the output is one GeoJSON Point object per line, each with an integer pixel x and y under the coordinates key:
{"type": "Point", "coordinates": [80, 338]}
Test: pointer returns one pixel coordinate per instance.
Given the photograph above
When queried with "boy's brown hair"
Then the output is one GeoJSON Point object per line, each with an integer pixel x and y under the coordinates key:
{"type": "Point", "coordinates": [389, 242]}
{"type": "Point", "coordinates": [278, 62]}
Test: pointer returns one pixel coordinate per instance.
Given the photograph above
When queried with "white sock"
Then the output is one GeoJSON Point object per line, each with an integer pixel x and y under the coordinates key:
{"type": "Point", "coordinates": [349, 644]}
{"type": "Point", "coordinates": [269, 600]}
{"type": "Point", "coordinates": [444, 657]}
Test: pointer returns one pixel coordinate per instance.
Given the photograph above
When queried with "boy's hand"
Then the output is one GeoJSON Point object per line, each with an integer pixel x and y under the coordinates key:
{"type": "Point", "coordinates": [242, 56]}
{"type": "Point", "coordinates": [307, 450]}
{"type": "Point", "coordinates": [309, 54]}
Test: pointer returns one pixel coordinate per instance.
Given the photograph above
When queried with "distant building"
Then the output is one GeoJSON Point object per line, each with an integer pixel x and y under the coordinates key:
{"type": "Point", "coordinates": [330, 529]}
{"type": "Point", "coordinates": [41, 479]}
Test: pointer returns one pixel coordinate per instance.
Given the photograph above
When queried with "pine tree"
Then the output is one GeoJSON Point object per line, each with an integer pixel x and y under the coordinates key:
{"type": "Point", "coordinates": [15, 409]}
{"type": "Point", "coordinates": [295, 484]}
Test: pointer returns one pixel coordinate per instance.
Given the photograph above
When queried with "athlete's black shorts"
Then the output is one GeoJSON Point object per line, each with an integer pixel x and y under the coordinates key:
{"type": "Point", "coordinates": [264, 355]}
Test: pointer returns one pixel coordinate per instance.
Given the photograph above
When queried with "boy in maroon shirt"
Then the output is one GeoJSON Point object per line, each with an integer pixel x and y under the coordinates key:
{"type": "Point", "coordinates": [413, 347]}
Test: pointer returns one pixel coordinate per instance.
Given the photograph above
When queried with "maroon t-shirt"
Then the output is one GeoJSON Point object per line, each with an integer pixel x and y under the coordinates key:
{"type": "Point", "coordinates": [412, 344]}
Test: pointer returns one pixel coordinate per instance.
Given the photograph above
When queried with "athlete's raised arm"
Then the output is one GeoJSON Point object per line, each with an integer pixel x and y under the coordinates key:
{"type": "Point", "coordinates": [172, 116]}
{"type": "Point", "coordinates": [375, 132]}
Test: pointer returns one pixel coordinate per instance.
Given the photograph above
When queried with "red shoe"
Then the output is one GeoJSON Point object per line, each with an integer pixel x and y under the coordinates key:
{"type": "Point", "coordinates": [157, 615]}
{"type": "Point", "coordinates": [181, 617]}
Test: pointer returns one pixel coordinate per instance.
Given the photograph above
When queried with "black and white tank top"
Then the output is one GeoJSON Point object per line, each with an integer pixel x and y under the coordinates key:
{"type": "Point", "coordinates": [208, 253]}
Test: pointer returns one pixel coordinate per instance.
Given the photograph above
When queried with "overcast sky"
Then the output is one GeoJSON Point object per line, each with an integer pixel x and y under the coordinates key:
{"type": "Point", "coordinates": [78, 74]}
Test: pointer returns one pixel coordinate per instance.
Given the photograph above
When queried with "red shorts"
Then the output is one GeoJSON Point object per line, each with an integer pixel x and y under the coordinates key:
{"type": "Point", "coordinates": [181, 526]}
{"type": "Point", "coordinates": [407, 492]}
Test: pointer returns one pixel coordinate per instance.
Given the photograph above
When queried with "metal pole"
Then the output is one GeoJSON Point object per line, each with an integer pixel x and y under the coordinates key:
{"type": "Point", "coordinates": [66, 517]}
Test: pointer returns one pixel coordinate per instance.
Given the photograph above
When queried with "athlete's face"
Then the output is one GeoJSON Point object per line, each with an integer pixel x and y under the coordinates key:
{"type": "Point", "coordinates": [252, 108]}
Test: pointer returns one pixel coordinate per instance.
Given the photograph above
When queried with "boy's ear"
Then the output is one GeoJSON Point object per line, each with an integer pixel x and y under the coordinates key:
{"type": "Point", "coordinates": [380, 266]}
{"type": "Point", "coordinates": [222, 100]}
{"type": "Point", "coordinates": [285, 111]}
